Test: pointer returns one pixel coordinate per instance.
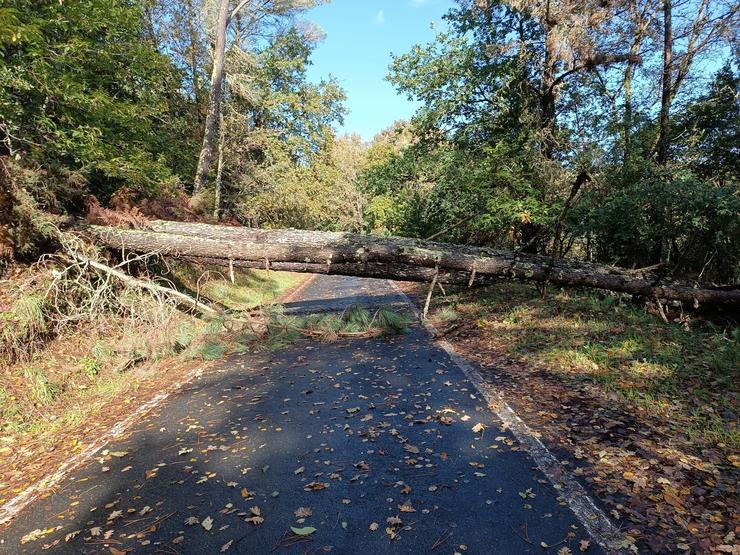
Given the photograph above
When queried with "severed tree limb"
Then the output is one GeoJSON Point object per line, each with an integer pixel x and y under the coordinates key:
{"type": "Point", "coordinates": [388, 257]}
{"type": "Point", "coordinates": [429, 294]}
{"type": "Point", "coordinates": [148, 285]}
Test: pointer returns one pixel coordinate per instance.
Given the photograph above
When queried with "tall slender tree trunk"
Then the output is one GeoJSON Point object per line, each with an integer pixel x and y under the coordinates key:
{"type": "Point", "coordinates": [547, 98]}
{"type": "Point", "coordinates": [214, 107]}
{"type": "Point", "coordinates": [219, 169]}
{"type": "Point", "coordinates": [194, 59]}
{"type": "Point", "coordinates": [664, 121]}
{"type": "Point", "coordinates": [628, 120]}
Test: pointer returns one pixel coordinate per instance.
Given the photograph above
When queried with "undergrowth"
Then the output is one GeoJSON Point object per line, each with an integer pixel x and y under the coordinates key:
{"type": "Point", "coordinates": [685, 372]}
{"type": "Point", "coordinates": [274, 329]}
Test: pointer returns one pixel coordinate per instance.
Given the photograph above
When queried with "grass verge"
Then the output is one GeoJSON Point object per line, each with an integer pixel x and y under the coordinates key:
{"type": "Point", "coordinates": [684, 373]}
{"type": "Point", "coordinates": [56, 382]}
{"type": "Point", "coordinates": [644, 411]}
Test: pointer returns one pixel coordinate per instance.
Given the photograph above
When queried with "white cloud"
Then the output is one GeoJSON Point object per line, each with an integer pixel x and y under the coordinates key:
{"type": "Point", "coordinates": [419, 3]}
{"type": "Point", "coordinates": [380, 17]}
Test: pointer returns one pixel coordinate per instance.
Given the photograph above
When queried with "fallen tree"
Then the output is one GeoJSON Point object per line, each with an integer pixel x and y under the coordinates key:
{"type": "Point", "coordinates": [387, 257]}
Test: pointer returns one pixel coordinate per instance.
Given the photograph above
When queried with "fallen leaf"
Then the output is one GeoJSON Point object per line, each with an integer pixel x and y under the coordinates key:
{"type": "Point", "coordinates": [374, 526]}
{"type": "Point", "coordinates": [315, 486]}
{"type": "Point", "coordinates": [226, 546]}
{"type": "Point", "coordinates": [192, 520]}
{"type": "Point", "coordinates": [307, 531]}
{"type": "Point", "coordinates": [207, 523]}
{"type": "Point", "coordinates": [303, 512]}
{"type": "Point", "coordinates": [71, 535]}
{"type": "Point", "coordinates": [478, 428]}
{"type": "Point", "coordinates": [406, 508]}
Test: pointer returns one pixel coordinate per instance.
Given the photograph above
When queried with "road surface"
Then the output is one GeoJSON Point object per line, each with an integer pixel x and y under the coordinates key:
{"type": "Point", "coordinates": [380, 445]}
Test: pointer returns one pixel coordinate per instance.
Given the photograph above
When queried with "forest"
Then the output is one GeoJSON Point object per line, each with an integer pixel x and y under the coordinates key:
{"type": "Point", "coordinates": [560, 213]}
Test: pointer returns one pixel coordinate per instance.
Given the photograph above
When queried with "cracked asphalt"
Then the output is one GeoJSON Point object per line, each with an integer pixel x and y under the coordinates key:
{"type": "Point", "coordinates": [381, 445]}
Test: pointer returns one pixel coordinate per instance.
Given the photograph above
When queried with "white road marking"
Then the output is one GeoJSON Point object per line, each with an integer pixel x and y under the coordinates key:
{"type": "Point", "coordinates": [10, 509]}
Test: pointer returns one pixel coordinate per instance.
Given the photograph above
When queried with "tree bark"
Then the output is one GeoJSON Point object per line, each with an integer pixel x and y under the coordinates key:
{"type": "Point", "coordinates": [219, 170]}
{"type": "Point", "coordinates": [667, 85]}
{"type": "Point", "coordinates": [214, 108]}
{"type": "Point", "coordinates": [385, 257]}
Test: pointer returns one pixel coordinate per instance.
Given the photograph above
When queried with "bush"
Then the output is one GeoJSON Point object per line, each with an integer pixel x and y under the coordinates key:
{"type": "Point", "coordinates": [690, 225]}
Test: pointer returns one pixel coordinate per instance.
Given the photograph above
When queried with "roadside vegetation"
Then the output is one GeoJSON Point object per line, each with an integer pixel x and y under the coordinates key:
{"type": "Point", "coordinates": [59, 365]}
{"type": "Point", "coordinates": [78, 349]}
{"type": "Point", "coordinates": [686, 373]}
{"type": "Point", "coordinates": [645, 410]}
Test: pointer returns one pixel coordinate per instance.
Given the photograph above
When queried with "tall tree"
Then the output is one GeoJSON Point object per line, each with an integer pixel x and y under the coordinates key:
{"type": "Point", "coordinates": [255, 17]}
{"type": "Point", "coordinates": [700, 28]}
{"type": "Point", "coordinates": [214, 106]}
{"type": "Point", "coordinates": [86, 96]}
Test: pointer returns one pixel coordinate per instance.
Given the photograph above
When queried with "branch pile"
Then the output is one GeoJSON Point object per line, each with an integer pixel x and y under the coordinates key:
{"type": "Point", "coordinates": [387, 257]}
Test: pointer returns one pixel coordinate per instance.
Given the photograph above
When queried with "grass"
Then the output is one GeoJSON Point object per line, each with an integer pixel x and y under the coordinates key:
{"type": "Point", "coordinates": [23, 327]}
{"type": "Point", "coordinates": [278, 330]}
{"type": "Point", "coordinates": [250, 289]}
{"type": "Point", "coordinates": [688, 375]}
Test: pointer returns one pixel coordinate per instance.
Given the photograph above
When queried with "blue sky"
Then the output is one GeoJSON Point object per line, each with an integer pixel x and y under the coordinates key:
{"type": "Point", "coordinates": [360, 36]}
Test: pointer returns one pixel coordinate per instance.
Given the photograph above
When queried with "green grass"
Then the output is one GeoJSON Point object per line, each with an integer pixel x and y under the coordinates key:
{"type": "Point", "coordinates": [23, 327]}
{"type": "Point", "coordinates": [251, 288]}
{"type": "Point", "coordinates": [43, 391]}
{"type": "Point", "coordinates": [689, 377]}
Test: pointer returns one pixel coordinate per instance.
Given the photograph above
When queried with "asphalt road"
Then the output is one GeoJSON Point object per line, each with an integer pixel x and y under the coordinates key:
{"type": "Point", "coordinates": [380, 445]}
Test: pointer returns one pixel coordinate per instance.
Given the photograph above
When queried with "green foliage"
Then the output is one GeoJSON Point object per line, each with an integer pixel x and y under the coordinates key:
{"type": "Point", "coordinates": [185, 335]}
{"type": "Point", "coordinates": [392, 322]}
{"type": "Point", "coordinates": [84, 90]}
{"type": "Point", "coordinates": [24, 326]}
{"type": "Point", "coordinates": [708, 130]}
{"type": "Point", "coordinates": [90, 366]}
{"type": "Point", "coordinates": [212, 350]}
{"type": "Point", "coordinates": [692, 222]}
{"type": "Point", "coordinates": [283, 165]}
{"type": "Point", "coordinates": [481, 163]}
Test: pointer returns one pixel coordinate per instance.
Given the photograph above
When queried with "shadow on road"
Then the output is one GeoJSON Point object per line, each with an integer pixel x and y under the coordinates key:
{"type": "Point", "coordinates": [384, 432]}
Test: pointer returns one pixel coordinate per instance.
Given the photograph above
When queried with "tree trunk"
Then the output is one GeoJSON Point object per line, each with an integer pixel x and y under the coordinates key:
{"type": "Point", "coordinates": [193, 36]}
{"type": "Point", "coordinates": [384, 257]}
{"type": "Point", "coordinates": [219, 170]}
{"type": "Point", "coordinates": [214, 107]}
{"type": "Point", "coordinates": [667, 85]}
